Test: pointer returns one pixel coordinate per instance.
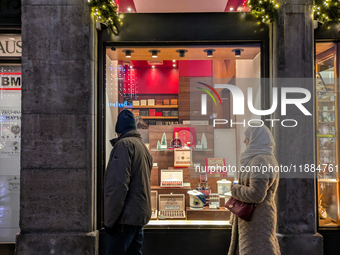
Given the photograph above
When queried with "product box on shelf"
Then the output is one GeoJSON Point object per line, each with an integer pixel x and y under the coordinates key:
{"type": "Point", "coordinates": [135, 102]}
{"type": "Point", "coordinates": [173, 113]}
{"type": "Point", "coordinates": [159, 102]}
{"type": "Point", "coordinates": [151, 101]}
{"type": "Point", "coordinates": [171, 178]}
{"type": "Point", "coordinates": [143, 102]}
{"type": "Point", "coordinates": [152, 122]}
{"type": "Point", "coordinates": [159, 122]}
{"type": "Point", "coordinates": [144, 113]}
{"type": "Point", "coordinates": [166, 113]}
{"type": "Point", "coordinates": [159, 114]}
{"type": "Point", "coordinates": [182, 158]}
{"type": "Point", "coordinates": [135, 112]}
{"type": "Point", "coordinates": [173, 101]}
{"type": "Point", "coordinates": [166, 101]}
{"type": "Point", "coordinates": [152, 112]}
{"type": "Point", "coordinates": [171, 206]}
{"type": "Point", "coordinates": [154, 205]}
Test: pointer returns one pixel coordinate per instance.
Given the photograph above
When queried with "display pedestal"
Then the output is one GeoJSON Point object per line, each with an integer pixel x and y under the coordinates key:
{"type": "Point", "coordinates": [208, 214]}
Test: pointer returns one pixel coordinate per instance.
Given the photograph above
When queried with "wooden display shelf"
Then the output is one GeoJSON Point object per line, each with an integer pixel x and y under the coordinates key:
{"type": "Point", "coordinates": [154, 106]}
{"type": "Point", "coordinates": [170, 189]}
{"type": "Point", "coordinates": [208, 214]}
{"type": "Point", "coordinates": [158, 117]}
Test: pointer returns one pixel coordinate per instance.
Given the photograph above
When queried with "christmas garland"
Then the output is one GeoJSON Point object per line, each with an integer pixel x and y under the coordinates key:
{"type": "Point", "coordinates": [105, 11]}
{"type": "Point", "coordinates": [326, 10]}
{"type": "Point", "coordinates": [265, 9]}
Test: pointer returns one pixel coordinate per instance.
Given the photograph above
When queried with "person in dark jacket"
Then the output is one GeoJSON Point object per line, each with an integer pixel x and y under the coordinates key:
{"type": "Point", "coordinates": [127, 189]}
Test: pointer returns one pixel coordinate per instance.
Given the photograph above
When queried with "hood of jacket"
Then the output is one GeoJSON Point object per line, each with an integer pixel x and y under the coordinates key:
{"type": "Point", "coordinates": [131, 133]}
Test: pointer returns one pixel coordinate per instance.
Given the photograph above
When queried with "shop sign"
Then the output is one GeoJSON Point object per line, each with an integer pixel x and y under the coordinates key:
{"type": "Point", "coordinates": [10, 80]}
{"type": "Point", "coordinates": [10, 45]}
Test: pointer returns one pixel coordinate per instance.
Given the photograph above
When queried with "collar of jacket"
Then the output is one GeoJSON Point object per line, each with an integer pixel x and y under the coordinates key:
{"type": "Point", "coordinates": [132, 133]}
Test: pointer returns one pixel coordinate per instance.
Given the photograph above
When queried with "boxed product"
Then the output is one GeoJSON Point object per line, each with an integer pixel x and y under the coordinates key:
{"type": "Point", "coordinates": [151, 101]}
{"type": "Point", "coordinates": [154, 199]}
{"type": "Point", "coordinates": [159, 122]}
{"type": "Point", "coordinates": [143, 102]}
{"type": "Point", "coordinates": [171, 206]}
{"type": "Point", "coordinates": [159, 114]}
{"type": "Point", "coordinates": [171, 178]}
{"type": "Point", "coordinates": [166, 101]}
{"type": "Point", "coordinates": [166, 113]}
{"type": "Point", "coordinates": [159, 102]}
{"type": "Point", "coordinates": [135, 112]}
{"type": "Point", "coordinates": [152, 112]}
{"type": "Point", "coordinates": [135, 102]}
{"type": "Point", "coordinates": [152, 122]}
{"type": "Point", "coordinates": [144, 113]}
{"type": "Point", "coordinates": [173, 102]}
{"type": "Point", "coordinates": [173, 113]}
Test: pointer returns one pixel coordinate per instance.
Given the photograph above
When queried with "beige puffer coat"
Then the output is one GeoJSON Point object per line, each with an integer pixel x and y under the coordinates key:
{"type": "Point", "coordinates": [257, 236]}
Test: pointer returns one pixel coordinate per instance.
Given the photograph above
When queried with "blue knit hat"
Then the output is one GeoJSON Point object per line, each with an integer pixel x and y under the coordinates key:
{"type": "Point", "coordinates": [125, 122]}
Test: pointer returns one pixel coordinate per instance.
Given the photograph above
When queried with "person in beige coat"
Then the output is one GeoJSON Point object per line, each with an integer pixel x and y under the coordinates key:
{"type": "Point", "coordinates": [257, 236]}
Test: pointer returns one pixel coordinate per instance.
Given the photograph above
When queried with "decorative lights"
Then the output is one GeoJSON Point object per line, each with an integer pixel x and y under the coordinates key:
{"type": "Point", "coordinates": [209, 52]}
{"type": "Point", "coordinates": [181, 53]}
{"type": "Point", "coordinates": [105, 11]}
{"type": "Point", "coordinates": [154, 53]}
{"type": "Point", "coordinates": [264, 9]}
{"type": "Point", "coordinates": [326, 10]}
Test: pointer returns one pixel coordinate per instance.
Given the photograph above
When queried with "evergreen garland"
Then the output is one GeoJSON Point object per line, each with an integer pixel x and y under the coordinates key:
{"type": "Point", "coordinates": [105, 11]}
{"type": "Point", "coordinates": [265, 9]}
{"type": "Point", "coordinates": [326, 10]}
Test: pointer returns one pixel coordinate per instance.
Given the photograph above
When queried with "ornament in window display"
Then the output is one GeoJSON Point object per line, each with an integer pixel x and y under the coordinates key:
{"type": "Point", "coordinates": [204, 142]}
{"type": "Point", "coordinates": [322, 211]}
{"type": "Point", "coordinates": [158, 145]}
{"type": "Point", "coordinates": [176, 142]}
{"type": "Point", "coordinates": [163, 144]}
{"type": "Point", "coordinates": [15, 129]}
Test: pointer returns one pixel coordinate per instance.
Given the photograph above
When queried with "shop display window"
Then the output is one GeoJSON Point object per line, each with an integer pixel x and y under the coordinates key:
{"type": "Point", "coordinates": [10, 139]}
{"type": "Point", "coordinates": [173, 94]}
{"type": "Point", "coordinates": [327, 144]}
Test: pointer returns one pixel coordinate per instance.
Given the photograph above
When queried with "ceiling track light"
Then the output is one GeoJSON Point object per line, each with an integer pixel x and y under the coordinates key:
{"type": "Point", "coordinates": [237, 52]}
{"type": "Point", "coordinates": [154, 53]}
{"type": "Point", "coordinates": [209, 52]}
{"type": "Point", "coordinates": [181, 53]}
{"type": "Point", "coordinates": [128, 53]}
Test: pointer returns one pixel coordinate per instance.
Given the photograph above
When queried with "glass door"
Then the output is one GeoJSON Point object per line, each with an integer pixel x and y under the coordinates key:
{"type": "Point", "coordinates": [327, 134]}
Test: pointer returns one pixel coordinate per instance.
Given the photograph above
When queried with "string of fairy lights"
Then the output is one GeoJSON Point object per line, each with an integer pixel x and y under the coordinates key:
{"type": "Point", "coordinates": [105, 11]}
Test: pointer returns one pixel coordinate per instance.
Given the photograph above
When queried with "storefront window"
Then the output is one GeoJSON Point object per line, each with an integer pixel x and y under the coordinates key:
{"type": "Point", "coordinates": [187, 121]}
{"type": "Point", "coordinates": [327, 134]}
{"type": "Point", "coordinates": [10, 135]}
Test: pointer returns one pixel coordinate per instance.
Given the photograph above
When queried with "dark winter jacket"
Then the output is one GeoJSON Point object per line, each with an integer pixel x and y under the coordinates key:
{"type": "Point", "coordinates": [127, 182]}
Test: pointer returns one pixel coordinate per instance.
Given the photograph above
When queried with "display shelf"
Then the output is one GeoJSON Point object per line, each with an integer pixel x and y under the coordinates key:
{"type": "Point", "coordinates": [187, 224]}
{"type": "Point", "coordinates": [208, 214]}
{"type": "Point", "coordinates": [328, 180]}
{"type": "Point", "coordinates": [326, 110]}
{"type": "Point", "coordinates": [169, 189]}
{"type": "Point", "coordinates": [173, 150]}
{"type": "Point", "coordinates": [325, 136]}
{"type": "Point", "coordinates": [158, 117]}
{"type": "Point", "coordinates": [153, 106]}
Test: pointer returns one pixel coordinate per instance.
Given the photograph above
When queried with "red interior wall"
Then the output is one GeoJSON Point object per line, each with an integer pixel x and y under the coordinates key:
{"type": "Point", "coordinates": [163, 79]}
{"type": "Point", "coordinates": [195, 68]}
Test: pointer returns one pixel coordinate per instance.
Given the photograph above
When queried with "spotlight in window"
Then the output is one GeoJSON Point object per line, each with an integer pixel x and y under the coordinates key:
{"type": "Point", "coordinates": [154, 53]}
{"type": "Point", "coordinates": [129, 9]}
{"type": "Point", "coordinates": [174, 65]}
{"type": "Point", "coordinates": [231, 9]}
{"type": "Point", "coordinates": [128, 53]}
{"type": "Point", "coordinates": [181, 53]}
{"type": "Point", "coordinates": [131, 67]}
{"type": "Point", "coordinates": [209, 52]}
{"type": "Point", "coordinates": [237, 52]}
{"type": "Point", "coordinates": [174, 60]}
{"type": "Point", "coordinates": [153, 66]}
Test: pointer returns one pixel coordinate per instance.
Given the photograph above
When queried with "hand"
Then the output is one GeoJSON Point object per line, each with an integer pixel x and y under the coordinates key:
{"type": "Point", "coordinates": [111, 231]}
